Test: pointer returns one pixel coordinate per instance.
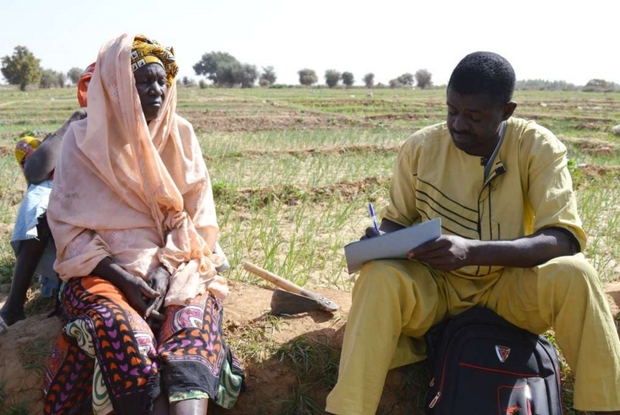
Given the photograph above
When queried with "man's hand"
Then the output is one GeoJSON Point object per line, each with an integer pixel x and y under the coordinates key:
{"type": "Point", "coordinates": [158, 280]}
{"type": "Point", "coordinates": [446, 253]}
{"type": "Point", "coordinates": [371, 232]}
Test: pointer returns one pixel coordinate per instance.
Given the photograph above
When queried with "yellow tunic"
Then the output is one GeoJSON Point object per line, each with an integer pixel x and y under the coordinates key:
{"type": "Point", "coordinates": [395, 302]}
{"type": "Point", "coordinates": [529, 187]}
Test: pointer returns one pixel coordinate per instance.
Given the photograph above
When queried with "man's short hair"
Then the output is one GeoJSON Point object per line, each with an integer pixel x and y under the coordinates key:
{"type": "Point", "coordinates": [484, 73]}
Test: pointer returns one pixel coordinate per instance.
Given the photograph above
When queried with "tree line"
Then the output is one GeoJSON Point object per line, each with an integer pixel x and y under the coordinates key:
{"type": "Point", "coordinates": [224, 70]}
{"type": "Point", "coordinates": [221, 68]}
{"type": "Point", "coordinates": [23, 69]}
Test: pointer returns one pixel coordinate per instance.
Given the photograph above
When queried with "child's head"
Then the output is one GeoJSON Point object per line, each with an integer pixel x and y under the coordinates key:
{"type": "Point", "coordinates": [24, 148]}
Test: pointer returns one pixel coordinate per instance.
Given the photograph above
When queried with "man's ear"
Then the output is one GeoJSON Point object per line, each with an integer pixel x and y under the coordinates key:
{"type": "Point", "coordinates": [509, 108]}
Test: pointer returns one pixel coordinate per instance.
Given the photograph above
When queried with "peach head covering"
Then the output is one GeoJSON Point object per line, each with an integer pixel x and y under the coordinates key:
{"type": "Point", "coordinates": [137, 193]}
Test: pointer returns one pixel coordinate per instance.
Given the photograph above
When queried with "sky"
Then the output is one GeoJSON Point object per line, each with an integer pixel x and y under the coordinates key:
{"type": "Point", "coordinates": [543, 39]}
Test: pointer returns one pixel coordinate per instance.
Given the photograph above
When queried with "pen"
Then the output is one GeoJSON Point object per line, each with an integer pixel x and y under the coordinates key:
{"type": "Point", "coordinates": [374, 218]}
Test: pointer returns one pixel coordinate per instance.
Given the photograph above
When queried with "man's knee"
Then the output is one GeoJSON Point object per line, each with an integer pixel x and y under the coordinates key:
{"type": "Point", "coordinates": [400, 281]}
{"type": "Point", "coordinates": [378, 275]}
{"type": "Point", "coordinates": [572, 272]}
{"type": "Point", "coordinates": [390, 273]}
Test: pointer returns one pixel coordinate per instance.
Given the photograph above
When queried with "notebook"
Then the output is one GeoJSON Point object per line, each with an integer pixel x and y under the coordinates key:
{"type": "Point", "coordinates": [391, 245]}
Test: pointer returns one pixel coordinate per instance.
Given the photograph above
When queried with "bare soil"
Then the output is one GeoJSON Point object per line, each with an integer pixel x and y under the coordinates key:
{"type": "Point", "coordinates": [272, 385]}
{"type": "Point", "coordinates": [269, 123]}
{"type": "Point", "coordinates": [361, 149]}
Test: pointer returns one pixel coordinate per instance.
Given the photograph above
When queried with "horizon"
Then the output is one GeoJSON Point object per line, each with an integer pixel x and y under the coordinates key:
{"type": "Point", "coordinates": [549, 41]}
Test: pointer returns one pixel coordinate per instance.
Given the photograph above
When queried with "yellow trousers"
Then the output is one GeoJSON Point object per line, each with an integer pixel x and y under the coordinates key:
{"type": "Point", "coordinates": [396, 301]}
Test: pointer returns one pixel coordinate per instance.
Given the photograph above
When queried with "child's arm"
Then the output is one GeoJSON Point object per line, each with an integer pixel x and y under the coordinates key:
{"type": "Point", "coordinates": [40, 165]}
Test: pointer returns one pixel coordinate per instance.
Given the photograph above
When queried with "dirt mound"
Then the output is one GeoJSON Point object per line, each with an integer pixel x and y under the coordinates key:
{"type": "Point", "coordinates": [5, 150]}
{"type": "Point", "coordinates": [291, 362]}
{"type": "Point", "coordinates": [24, 350]}
{"type": "Point", "coordinates": [258, 123]}
{"type": "Point", "coordinates": [283, 357]}
{"type": "Point", "coordinates": [598, 171]}
{"type": "Point", "coordinates": [291, 194]}
{"type": "Point", "coordinates": [613, 290]}
{"type": "Point", "coordinates": [358, 149]}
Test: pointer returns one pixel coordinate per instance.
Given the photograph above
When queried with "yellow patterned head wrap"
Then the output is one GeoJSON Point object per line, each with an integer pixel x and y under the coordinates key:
{"type": "Point", "coordinates": [145, 51]}
{"type": "Point", "coordinates": [24, 148]}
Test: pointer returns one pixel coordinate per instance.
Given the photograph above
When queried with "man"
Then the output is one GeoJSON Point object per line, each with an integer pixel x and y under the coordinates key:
{"type": "Point", "coordinates": [511, 242]}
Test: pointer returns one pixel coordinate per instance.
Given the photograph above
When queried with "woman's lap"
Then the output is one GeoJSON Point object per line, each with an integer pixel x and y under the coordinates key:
{"type": "Point", "coordinates": [191, 355]}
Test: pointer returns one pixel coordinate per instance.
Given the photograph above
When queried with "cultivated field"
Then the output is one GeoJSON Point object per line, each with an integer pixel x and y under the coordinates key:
{"type": "Point", "coordinates": [294, 169]}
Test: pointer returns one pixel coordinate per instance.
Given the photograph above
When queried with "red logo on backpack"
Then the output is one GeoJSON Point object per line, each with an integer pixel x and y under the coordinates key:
{"type": "Point", "coordinates": [502, 353]}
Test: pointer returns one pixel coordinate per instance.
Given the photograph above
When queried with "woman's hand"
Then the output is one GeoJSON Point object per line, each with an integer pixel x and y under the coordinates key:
{"type": "Point", "coordinates": [158, 280]}
{"type": "Point", "coordinates": [132, 287]}
{"type": "Point", "coordinates": [136, 290]}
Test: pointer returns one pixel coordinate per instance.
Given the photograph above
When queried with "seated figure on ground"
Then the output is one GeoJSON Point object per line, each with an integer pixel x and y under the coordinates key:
{"type": "Point", "coordinates": [134, 222]}
{"type": "Point", "coordinates": [511, 241]}
{"type": "Point", "coordinates": [32, 241]}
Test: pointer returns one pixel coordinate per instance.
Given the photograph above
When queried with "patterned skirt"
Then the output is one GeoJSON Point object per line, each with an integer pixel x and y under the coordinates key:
{"type": "Point", "coordinates": [107, 355]}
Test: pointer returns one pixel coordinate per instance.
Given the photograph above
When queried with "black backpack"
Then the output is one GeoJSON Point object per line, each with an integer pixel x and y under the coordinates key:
{"type": "Point", "coordinates": [482, 365]}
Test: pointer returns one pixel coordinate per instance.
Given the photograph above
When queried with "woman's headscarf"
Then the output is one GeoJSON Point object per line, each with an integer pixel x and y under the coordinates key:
{"type": "Point", "coordinates": [135, 192]}
{"type": "Point", "coordinates": [145, 51]}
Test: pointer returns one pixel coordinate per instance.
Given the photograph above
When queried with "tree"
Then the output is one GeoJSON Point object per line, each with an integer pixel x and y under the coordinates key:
{"type": "Point", "coordinates": [369, 80]}
{"type": "Point", "coordinates": [217, 67]}
{"type": "Point", "coordinates": [225, 70]}
{"type": "Point", "coordinates": [394, 83]}
{"type": "Point", "coordinates": [423, 78]}
{"type": "Point", "coordinates": [188, 82]}
{"type": "Point", "coordinates": [332, 77]}
{"type": "Point", "coordinates": [268, 77]}
{"type": "Point", "coordinates": [74, 75]}
{"type": "Point", "coordinates": [307, 77]}
{"type": "Point", "coordinates": [225, 75]}
{"type": "Point", "coordinates": [49, 79]}
{"type": "Point", "coordinates": [347, 78]}
{"type": "Point", "coordinates": [22, 68]}
{"type": "Point", "coordinates": [245, 75]}
{"type": "Point", "coordinates": [62, 79]}
{"type": "Point", "coordinates": [405, 79]}
{"type": "Point", "coordinates": [597, 83]}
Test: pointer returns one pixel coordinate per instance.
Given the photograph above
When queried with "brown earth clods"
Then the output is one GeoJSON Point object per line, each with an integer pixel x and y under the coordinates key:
{"type": "Point", "coordinates": [595, 171]}
{"type": "Point", "coordinates": [258, 123]}
{"type": "Point", "coordinates": [271, 385]}
{"type": "Point", "coordinates": [352, 149]}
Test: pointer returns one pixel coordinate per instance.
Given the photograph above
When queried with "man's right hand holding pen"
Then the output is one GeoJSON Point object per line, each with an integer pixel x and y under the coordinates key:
{"type": "Point", "coordinates": [387, 226]}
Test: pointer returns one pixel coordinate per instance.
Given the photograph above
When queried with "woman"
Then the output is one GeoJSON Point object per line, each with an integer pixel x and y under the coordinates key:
{"type": "Point", "coordinates": [134, 223]}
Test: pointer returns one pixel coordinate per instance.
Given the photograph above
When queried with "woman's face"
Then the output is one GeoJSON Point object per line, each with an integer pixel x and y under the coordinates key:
{"type": "Point", "coordinates": [152, 85]}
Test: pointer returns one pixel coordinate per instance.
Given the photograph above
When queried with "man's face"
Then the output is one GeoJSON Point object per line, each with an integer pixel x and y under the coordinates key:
{"type": "Point", "coordinates": [152, 85]}
{"type": "Point", "coordinates": [474, 121]}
